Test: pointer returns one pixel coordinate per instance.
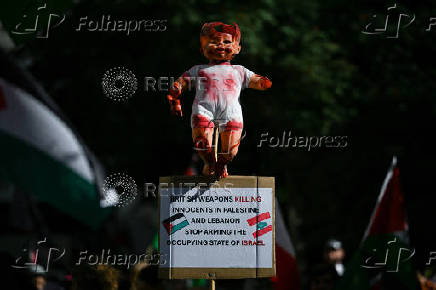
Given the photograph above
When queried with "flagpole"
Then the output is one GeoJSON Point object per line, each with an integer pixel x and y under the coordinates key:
{"type": "Point", "coordinates": [216, 144]}
{"type": "Point", "coordinates": [380, 196]}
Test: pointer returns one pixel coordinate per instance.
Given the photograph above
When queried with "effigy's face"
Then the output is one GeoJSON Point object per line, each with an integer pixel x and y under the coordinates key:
{"type": "Point", "coordinates": [219, 47]}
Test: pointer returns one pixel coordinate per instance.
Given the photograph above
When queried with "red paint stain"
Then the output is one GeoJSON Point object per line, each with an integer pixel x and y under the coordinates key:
{"type": "Point", "coordinates": [210, 84]}
{"type": "Point", "coordinates": [176, 90]}
{"type": "Point", "coordinates": [202, 143]}
{"type": "Point", "coordinates": [221, 166]}
{"type": "Point", "coordinates": [213, 28]}
{"type": "Point", "coordinates": [200, 121]}
{"type": "Point", "coordinates": [230, 84]}
{"type": "Point", "coordinates": [233, 126]}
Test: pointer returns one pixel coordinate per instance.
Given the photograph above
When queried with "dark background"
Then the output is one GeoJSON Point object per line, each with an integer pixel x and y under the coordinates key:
{"type": "Point", "coordinates": [329, 79]}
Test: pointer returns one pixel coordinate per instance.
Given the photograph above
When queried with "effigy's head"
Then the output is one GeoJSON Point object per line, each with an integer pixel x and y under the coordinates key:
{"type": "Point", "coordinates": [220, 41]}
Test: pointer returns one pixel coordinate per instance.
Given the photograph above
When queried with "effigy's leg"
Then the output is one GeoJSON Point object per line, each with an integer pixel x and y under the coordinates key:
{"type": "Point", "coordinates": [202, 138]}
{"type": "Point", "coordinates": [230, 140]}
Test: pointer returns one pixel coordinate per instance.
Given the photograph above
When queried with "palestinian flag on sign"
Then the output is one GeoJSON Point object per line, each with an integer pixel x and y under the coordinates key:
{"type": "Point", "coordinates": [175, 223]}
{"type": "Point", "coordinates": [384, 258]}
{"type": "Point", "coordinates": [42, 155]}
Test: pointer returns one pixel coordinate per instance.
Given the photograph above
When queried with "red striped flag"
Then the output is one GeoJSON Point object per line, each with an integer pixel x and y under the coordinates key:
{"type": "Point", "coordinates": [258, 218]}
{"type": "Point", "coordinates": [288, 276]}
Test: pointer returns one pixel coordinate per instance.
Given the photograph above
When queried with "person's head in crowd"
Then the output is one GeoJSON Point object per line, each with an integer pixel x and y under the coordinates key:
{"type": "Point", "coordinates": [100, 277]}
{"type": "Point", "coordinates": [333, 252]}
{"type": "Point", "coordinates": [145, 277]}
{"type": "Point", "coordinates": [40, 282]}
{"type": "Point", "coordinates": [323, 277]}
{"type": "Point", "coordinates": [14, 278]}
{"type": "Point", "coordinates": [38, 276]}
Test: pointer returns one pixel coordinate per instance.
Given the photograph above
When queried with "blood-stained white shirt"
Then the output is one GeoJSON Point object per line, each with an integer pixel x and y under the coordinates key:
{"type": "Point", "coordinates": [218, 88]}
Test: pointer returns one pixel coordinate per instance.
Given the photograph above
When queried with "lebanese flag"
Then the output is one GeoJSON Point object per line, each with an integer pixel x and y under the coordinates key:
{"type": "Point", "coordinates": [41, 155]}
{"type": "Point", "coordinates": [384, 258]}
{"type": "Point", "coordinates": [287, 274]}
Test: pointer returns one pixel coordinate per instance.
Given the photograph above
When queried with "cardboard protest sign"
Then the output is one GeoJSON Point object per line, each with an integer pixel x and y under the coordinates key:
{"type": "Point", "coordinates": [217, 229]}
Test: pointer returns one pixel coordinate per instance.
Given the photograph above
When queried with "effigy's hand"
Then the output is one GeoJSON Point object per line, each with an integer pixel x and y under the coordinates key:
{"type": "Point", "coordinates": [259, 82]}
{"type": "Point", "coordinates": [175, 106]}
{"type": "Point", "coordinates": [265, 82]}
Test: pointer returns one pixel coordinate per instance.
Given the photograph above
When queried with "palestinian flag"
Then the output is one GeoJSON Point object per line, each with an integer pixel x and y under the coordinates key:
{"type": "Point", "coordinates": [384, 258]}
{"type": "Point", "coordinates": [175, 223]}
{"type": "Point", "coordinates": [41, 155]}
{"type": "Point", "coordinates": [287, 274]}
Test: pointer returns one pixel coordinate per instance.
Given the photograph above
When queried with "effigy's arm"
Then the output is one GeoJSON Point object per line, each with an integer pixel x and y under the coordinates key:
{"type": "Point", "coordinates": [259, 82]}
{"type": "Point", "coordinates": [174, 96]}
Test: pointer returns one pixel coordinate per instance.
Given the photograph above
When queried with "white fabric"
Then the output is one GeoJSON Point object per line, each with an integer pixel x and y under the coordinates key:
{"type": "Point", "coordinates": [218, 88]}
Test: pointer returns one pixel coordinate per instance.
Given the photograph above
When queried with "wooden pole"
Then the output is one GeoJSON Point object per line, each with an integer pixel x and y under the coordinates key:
{"type": "Point", "coordinates": [216, 145]}
{"type": "Point", "coordinates": [212, 281]}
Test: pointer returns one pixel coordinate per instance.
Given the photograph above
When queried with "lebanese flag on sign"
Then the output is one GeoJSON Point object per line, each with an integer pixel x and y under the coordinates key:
{"type": "Point", "coordinates": [287, 276]}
